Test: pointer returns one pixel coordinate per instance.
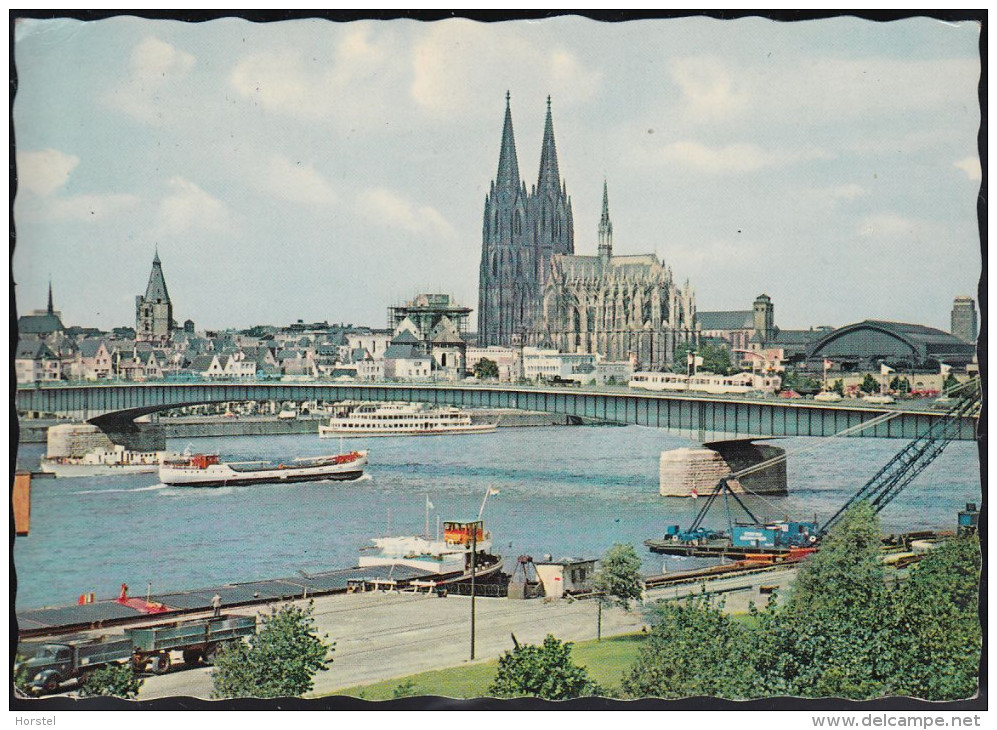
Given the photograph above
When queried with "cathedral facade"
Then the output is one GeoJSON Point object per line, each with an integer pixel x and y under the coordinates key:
{"type": "Point", "coordinates": [532, 286]}
{"type": "Point", "coordinates": [521, 233]}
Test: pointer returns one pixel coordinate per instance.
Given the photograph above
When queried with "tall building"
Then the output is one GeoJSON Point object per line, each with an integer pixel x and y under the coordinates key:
{"type": "Point", "coordinates": [964, 319]}
{"type": "Point", "coordinates": [520, 233]}
{"type": "Point", "coordinates": [154, 311]}
{"type": "Point", "coordinates": [534, 290]}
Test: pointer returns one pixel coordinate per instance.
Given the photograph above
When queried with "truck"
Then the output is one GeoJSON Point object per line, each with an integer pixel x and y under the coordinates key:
{"type": "Point", "coordinates": [48, 664]}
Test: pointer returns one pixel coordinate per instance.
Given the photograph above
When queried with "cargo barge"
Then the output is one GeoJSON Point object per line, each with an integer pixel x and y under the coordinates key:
{"type": "Point", "coordinates": [206, 470]}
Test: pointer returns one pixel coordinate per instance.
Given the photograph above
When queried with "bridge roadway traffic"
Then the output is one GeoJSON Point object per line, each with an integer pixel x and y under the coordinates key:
{"type": "Point", "coordinates": [701, 416]}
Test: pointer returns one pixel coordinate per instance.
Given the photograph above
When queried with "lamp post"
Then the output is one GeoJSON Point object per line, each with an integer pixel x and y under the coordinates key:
{"type": "Point", "coordinates": [474, 555]}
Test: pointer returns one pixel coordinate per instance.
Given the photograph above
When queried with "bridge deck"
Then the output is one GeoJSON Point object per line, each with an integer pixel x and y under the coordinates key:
{"type": "Point", "coordinates": [702, 417]}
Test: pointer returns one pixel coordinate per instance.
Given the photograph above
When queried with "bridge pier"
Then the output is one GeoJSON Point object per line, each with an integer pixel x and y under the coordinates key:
{"type": "Point", "coordinates": [700, 468]}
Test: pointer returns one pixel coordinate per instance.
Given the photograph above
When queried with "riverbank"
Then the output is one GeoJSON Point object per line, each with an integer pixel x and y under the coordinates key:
{"type": "Point", "coordinates": [389, 636]}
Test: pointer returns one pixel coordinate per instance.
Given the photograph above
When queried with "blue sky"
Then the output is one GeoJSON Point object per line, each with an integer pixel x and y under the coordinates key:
{"type": "Point", "coordinates": [318, 170]}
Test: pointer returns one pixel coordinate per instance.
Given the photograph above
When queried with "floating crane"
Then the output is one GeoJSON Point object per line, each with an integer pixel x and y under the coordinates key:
{"type": "Point", "coordinates": [784, 538]}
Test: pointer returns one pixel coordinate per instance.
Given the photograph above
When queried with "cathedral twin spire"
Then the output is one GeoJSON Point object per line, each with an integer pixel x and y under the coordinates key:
{"type": "Point", "coordinates": [508, 169]}
{"type": "Point", "coordinates": [549, 177]}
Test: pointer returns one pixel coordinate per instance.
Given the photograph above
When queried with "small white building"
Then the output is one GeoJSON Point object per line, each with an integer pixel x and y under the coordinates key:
{"type": "Point", "coordinates": [507, 359]}
{"type": "Point", "coordinates": [375, 342]}
{"type": "Point", "coordinates": [550, 364]}
{"type": "Point", "coordinates": [567, 575]}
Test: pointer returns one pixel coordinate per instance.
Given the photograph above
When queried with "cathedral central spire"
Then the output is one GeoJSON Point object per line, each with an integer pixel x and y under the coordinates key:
{"type": "Point", "coordinates": [508, 168]}
{"type": "Point", "coordinates": [605, 226]}
{"type": "Point", "coordinates": [550, 176]}
{"type": "Point", "coordinates": [51, 308]}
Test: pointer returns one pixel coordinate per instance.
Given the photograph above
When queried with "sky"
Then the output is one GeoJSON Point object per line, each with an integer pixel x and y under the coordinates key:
{"type": "Point", "coordinates": [316, 170]}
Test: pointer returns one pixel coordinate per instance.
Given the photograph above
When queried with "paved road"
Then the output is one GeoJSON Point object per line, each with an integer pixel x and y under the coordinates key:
{"type": "Point", "coordinates": [382, 636]}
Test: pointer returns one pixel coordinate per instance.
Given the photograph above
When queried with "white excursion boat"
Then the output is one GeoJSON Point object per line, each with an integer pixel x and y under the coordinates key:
{"type": "Point", "coordinates": [206, 470]}
{"type": "Point", "coordinates": [102, 462]}
{"type": "Point", "coordinates": [400, 419]}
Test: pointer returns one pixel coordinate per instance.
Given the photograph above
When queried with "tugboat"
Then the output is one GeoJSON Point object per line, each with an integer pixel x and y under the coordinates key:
{"type": "Point", "coordinates": [207, 470]}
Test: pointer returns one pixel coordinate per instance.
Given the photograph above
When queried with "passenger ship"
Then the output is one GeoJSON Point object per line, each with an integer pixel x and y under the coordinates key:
{"type": "Point", "coordinates": [400, 419]}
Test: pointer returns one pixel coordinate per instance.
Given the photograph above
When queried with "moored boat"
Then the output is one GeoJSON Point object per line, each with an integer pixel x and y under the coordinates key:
{"type": "Point", "coordinates": [102, 461]}
{"type": "Point", "coordinates": [449, 555]}
{"type": "Point", "coordinates": [400, 419]}
{"type": "Point", "coordinates": [207, 470]}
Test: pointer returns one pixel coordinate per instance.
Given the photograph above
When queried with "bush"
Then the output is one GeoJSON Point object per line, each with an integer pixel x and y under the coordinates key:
{"type": "Point", "coordinates": [280, 661]}
{"type": "Point", "coordinates": [545, 671]}
{"type": "Point", "coordinates": [112, 680]}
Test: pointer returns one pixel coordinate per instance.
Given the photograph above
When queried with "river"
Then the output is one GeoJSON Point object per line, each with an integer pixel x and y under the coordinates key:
{"type": "Point", "coordinates": [563, 491]}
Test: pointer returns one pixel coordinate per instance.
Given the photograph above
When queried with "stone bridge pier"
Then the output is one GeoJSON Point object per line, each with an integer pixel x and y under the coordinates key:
{"type": "Point", "coordinates": [699, 468]}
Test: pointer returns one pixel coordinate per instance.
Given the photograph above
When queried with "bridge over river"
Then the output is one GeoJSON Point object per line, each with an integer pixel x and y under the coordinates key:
{"type": "Point", "coordinates": [702, 417]}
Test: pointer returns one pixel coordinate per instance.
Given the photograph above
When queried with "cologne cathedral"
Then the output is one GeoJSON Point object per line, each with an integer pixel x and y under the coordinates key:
{"type": "Point", "coordinates": [534, 289]}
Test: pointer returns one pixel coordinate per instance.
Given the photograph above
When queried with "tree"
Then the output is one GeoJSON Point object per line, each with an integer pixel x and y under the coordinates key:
{"type": "Point", "coordinates": [111, 680]}
{"type": "Point", "coordinates": [839, 387]}
{"type": "Point", "coordinates": [801, 383]}
{"type": "Point", "coordinates": [869, 384]}
{"type": "Point", "coordinates": [831, 626]}
{"type": "Point", "coordinates": [693, 649]}
{"type": "Point", "coordinates": [618, 575]}
{"type": "Point", "coordinates": [838, 633]}
{"type": "Point", "coordinates": [716, 359]}
{"type": "Point", "coordinates": [486, 368]}
{"type": "Point", "coordinates": [936, 625]}
{"type": "Point", "coordinates": [950, 382]}
{"type": "Point", "coordinates": [900, 385]}
{"type": "Point", "coordinates": [279, 661]}
{"type": "Point", "coordinates": [618, 580]}
{"type": "Point", "coordinates": [545, 671]}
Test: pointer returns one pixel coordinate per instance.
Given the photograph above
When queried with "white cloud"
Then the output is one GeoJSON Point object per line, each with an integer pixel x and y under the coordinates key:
{"type": "Point", "coordinates": [297, 182]}
{"type": "Point", "coordinates": [733, 158]}
{"type": "Point", "coordinates": [971, 166]}
{"type": "Point", "coordinates": [188, 207]}
{"type": "Point", "coordinates": [388, 208]}
{"type": "Point", "coordinates": [44, 171]}
{"type": "Point", "coordinates": [311, 87]}
{"type": "Point", "coordinates": [153, 89]}
{"type": "Point", "coordinates": [155, 58]}
{"type": "Point", "coordinates": [708, 87]}
{"type": "Point", "coordinates": [452, 58]}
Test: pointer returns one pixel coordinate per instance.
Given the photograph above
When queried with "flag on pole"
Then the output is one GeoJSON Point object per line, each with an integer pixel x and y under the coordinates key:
{"type": "Point", "coordinates": [946, 369]}
{"type": "Point", "coordinates": [827, 364]}
{"type": "Point", "coordinates": [885, 370]}
{"type": "Point", "coordinates": [429, 505]}
{"type": "Point", "coordinates": [492, 491]}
